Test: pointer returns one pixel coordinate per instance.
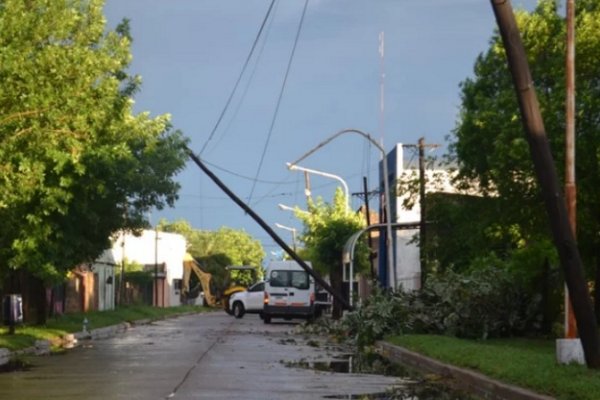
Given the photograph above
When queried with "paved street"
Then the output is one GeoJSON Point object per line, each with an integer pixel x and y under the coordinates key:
{"type": "Point", "coordinates": [204, 356]}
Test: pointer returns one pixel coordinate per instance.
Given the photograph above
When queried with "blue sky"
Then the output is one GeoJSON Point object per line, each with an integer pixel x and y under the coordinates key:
{"type": "Point", "coordinates": [190, 53]}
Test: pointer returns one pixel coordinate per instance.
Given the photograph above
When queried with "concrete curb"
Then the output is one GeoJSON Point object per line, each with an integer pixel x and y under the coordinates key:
{"type": "Point", "coordinates": [463, 379]}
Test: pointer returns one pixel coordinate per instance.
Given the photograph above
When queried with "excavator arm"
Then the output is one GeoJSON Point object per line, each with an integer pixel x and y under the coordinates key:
{"type": "Point", "coordinates": [191, 266]}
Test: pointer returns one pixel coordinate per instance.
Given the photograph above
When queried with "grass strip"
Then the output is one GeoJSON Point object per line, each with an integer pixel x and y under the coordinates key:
{"type": "Point", "coordinates": [529, 363]}
{"type": "Point", "coordinates": [55, 328]}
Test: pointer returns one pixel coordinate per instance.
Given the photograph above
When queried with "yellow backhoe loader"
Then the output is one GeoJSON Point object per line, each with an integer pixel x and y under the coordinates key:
{"type": "Point", "coordinates": [213, 295]}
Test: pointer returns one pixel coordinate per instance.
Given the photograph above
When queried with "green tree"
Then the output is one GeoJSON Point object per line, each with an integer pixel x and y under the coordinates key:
{"type": "Point", "coordinates": [327, 227]}
{"type": "Point", "coordinates": [218, 249]}
{"type": "Point", "coordinates": [75, 163]}
{"type": "Point", "coordinates": [489, 145]}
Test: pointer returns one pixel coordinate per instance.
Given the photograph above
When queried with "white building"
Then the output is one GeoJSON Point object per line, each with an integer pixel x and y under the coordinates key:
{"type": "Point", "coordinates": [160, 253]}
{"type": "Point", "coordinates": [407, 263]}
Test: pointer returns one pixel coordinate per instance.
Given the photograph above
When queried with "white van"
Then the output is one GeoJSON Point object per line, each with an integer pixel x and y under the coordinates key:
{"type": "Point", "coordinates": [289, 292]}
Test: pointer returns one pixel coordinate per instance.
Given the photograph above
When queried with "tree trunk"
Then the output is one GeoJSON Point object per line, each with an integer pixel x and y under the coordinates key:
{"type": "Point", "coordinates": [545, 291]}
{"type": "Point", "coordinates": [335, 275]}
{"type": "Point", "coordinates": [41, 301]}
{"type": "Point", "coordinates": [597, 287]}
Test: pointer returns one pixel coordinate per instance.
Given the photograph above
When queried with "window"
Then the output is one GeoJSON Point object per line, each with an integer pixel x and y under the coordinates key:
{"type": "Point", "coordinates": [177, 283]}
{"type": "Point", "coordinates": [300, 279]}
{"type": "Point", "coordinates": [259, 287]}
{"type": "Point", "coordinates": [296, 279]}
{"type": "Point", "coordinates": [280, 278]}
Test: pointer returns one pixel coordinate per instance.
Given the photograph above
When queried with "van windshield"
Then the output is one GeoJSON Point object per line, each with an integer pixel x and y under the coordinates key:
{"type": "Point", "coordinates": [295, 279]}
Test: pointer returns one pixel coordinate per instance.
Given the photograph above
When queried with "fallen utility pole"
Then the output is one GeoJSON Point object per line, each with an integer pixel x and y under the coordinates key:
{"type": "Point", "coordinates": [268, 229]}
{"type": "Point", "coordinates": [539, 148]}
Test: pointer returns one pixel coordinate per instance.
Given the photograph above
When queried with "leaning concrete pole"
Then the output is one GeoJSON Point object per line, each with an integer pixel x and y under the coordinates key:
{"type": "Point", "coordinates": [535, 132]}
{"type": "Point", "coordinates": [338, 296]}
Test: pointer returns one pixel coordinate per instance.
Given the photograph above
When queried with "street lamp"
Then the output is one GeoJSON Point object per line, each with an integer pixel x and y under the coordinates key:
{"type": "Point", "coordinates": [293, 209]}
{"type": "Point", "coordinates": [294, 167]}
{"type": "Point", "coordinates": [386, 188]}
{"type": "Point", "coordinates": [293, 230]}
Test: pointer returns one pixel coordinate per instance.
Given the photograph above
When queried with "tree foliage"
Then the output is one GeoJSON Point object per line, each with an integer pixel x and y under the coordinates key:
{"type": "Point", "coordinates": [327, 227]}
{"type": "Point", "coordinates": [481, 304]}
{"type": "Point", "coordinates": [75, 163]}
{"type": "Point", "coordinates": [489, 144]}
{"type": "Point", "coordinates": [221, 248]}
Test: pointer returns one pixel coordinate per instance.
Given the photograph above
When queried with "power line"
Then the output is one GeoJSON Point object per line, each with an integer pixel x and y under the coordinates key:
{"type": "Point", "coordinates": [212, 133]}
{"type": "Point", "coordinates": [247, 177]}
{"type": "Point", "coordinates": [262, 157]}
{"type": "Point", "coordinates": [249, 80]}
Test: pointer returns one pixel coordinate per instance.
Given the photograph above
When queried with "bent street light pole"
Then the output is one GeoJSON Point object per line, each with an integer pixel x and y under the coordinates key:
{"type": "Point", "coordinates": [294, 167]}
{"type": "Point", "coordinates": [386, 188]}
{"type": "Point", "coordinates": [545, 170]}
{"type": "Point", "coordinates": [268, 229]}
{"type": "Point", "coordinates": [349, 247]}
{"type": "Point", "coordinates": [293, 209]}
{"type": "Point", "coordinates": [293, 230]}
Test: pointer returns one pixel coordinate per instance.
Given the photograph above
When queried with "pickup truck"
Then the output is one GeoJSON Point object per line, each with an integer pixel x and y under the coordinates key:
{"type": "Point", "coordinates": [250, 301]}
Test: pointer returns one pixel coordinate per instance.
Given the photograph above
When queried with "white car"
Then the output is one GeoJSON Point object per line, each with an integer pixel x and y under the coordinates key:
{"type": "Point", "coordinates": [249, 301]}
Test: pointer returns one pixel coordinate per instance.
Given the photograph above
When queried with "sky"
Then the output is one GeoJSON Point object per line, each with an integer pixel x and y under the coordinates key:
{"type": "Point", "coordinates": [189, 54]}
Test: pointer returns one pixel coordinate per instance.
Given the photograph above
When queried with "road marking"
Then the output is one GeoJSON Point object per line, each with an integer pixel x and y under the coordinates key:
{"type": "Point", "coordinates": [199, 360]}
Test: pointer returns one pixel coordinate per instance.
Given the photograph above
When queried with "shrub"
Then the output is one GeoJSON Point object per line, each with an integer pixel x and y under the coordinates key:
{"type": "Point", "coordinates": [384, 312]}
{"type": "Point", "coordinates": [483, 303]}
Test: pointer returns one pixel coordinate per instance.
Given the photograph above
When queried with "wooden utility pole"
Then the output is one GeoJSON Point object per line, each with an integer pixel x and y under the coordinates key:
{"type": "Point", "coordinates": [369, 238]}
{"type": "Point", "coordinates": [307, 191]}
{"type": "Point", "coordinates": [570, 185]}
{"type": "Point", "coordinates": [156, 265]}
{"type": "Point", "coordinates": [422, 204]}
{"type": "Point", "coordinates": [544, 166]}
{"type": "Point", "coordinates": [423, 224]}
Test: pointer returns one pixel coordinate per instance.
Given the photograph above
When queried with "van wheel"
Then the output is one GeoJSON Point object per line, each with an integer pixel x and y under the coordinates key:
{"type": "Point", "coordinates": [267, 318]}
{"type": "Point", "coordinates": [238, 310]}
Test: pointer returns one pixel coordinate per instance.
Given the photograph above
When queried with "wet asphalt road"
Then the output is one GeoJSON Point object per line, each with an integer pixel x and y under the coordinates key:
{"type": "Point", "coordinates": [203, 356]}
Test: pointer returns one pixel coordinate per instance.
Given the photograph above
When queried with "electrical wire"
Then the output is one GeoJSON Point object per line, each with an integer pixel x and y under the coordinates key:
{"type": "Point", "coordinates": [212, 133]}
{"type": "Point", "coordinates": [283, 85]}
{"type": "Point", "coordinates": [249, 80]}
{"type": "Point", "coordinates": [247, 177]}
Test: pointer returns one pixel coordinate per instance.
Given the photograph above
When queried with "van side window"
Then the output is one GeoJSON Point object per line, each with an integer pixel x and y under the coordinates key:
{"type": "Point", "coordinates": [300, 280]}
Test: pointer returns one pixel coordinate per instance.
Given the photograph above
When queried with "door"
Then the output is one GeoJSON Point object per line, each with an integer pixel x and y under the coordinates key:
{"type": "Point", "coordinates": [299, 290]}
{"type": "Point", "coordinates": [256, 296]}
{"type": "Point", "coordinates": [290, 290]}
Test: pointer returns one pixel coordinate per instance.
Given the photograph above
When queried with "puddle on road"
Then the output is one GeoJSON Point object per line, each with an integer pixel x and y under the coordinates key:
{"type": "Point", "coordinates": [351, 363]}
{"type": "Point", "coordinates": [416, 387]}
{"type": "Point", "coordinates": [421, 391]}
